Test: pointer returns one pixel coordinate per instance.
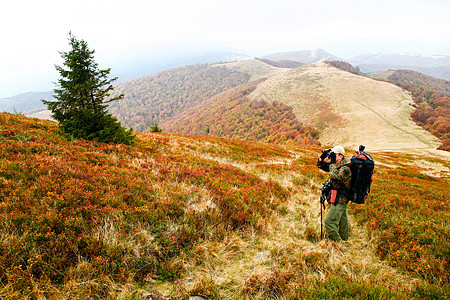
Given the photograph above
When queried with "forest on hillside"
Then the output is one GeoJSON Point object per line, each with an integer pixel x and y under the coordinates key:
{"type": "Point", "coordinates": [155, 98]}
{"type": "Point", "coordinates": [431, 96]}
{"type": "Point", "coordinates": [409, 77]}
{"type": "Point", "coordinates": [344, 66]}
{"type": "Point", "coordinates": [432, 113]}
{"type": "Point", "coordinates": [178, 95]}
{"type": "Point", "coordinates": [232, 115]}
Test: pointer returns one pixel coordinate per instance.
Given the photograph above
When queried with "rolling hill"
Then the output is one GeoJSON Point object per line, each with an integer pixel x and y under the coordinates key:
{"type": "Point", "coordinates": [232, 115]}
{"type": "Point", "coordinates": [432, 101]}
{"type": "Point", "coordinates": [319, 95]}
{"type": "Point", "coordinates": [155, 98]}
{"type": "Point", "coordinates": [361, 110]}
{"type": "Point", "coordinates": [158, 98]}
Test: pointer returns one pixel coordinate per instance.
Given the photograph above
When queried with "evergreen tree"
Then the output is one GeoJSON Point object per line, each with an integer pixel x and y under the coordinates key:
{"type": "Point", "coordinates": [81, 98]}
{"type": "Point", "coordinates": [155, 128]}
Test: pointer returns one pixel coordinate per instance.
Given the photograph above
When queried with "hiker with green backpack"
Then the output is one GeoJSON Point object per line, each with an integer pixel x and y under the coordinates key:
{"type": "Point", "coordinates": [335, 192]}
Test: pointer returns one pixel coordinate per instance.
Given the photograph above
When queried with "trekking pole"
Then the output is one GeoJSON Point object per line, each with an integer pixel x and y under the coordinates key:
{"type": "Point", "coordinates": [321, 216]}
{"type": "Point", "coordinates": [320, 203]}
{"type": "Point", "coordinates": [326, 187]}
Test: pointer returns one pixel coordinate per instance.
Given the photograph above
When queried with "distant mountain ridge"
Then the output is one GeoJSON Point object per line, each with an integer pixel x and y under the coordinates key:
{"type": "Point", "coordinates": [304, 57]}
{"type": "Point", "coordinates": [437, 66]}
{"type": "Point", "coordinates": [396, 59]}
{"type": "Point", "coordinates": [24, 102]}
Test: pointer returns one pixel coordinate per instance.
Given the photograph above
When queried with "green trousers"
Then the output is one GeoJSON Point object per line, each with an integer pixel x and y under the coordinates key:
{"type": "Point", "coordinates": [336, 223]}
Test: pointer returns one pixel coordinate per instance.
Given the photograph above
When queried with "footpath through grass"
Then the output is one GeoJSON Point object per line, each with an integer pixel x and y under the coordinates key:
{"type": "Point", "coordinates": [287, 260]}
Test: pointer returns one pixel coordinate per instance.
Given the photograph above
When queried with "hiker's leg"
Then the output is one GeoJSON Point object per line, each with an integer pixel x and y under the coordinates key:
{"type": "Point", "coordinates": [343, 224]}
{"type": "Point", "coordinates": [332, 222]}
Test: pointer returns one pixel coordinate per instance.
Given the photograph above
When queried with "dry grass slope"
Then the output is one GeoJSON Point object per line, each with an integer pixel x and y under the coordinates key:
{"type": "Point", "coordinates": [366, 111]}
{"type": "Point", "coordinates": [256, 68]}
{"type": "Point", "coordinates": [177, 216]}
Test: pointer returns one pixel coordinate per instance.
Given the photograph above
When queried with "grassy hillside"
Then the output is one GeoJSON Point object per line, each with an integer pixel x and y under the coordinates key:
{"type": "Point", "coordinates": [432, 101]}
{"type": "Point", "coordinates": [256, 68]}
{"type": "Point", "coordinates": [364, 110]}
{"type": "Point", "coordinates": [290, 64]}
{"type": "Point", "coordinates": [179, 216]}
{"type": "Point", "coordinates": [344, 66]}
{"type": "Point", "coordinates": [232, 115]}
{"type": "Point", "coordinates": [321, 96]}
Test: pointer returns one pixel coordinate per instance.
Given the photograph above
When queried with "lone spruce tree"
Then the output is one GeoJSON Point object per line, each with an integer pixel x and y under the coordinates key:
{"type": "Point", "coordinates": [81, 98]}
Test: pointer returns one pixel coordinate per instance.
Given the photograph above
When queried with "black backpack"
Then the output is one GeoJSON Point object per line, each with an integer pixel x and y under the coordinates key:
{"type": "Point", "coordinates": [362, 166]}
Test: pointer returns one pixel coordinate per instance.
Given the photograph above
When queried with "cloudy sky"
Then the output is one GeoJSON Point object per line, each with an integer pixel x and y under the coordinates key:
{"type": "Point", "coordinates": [33, 32]}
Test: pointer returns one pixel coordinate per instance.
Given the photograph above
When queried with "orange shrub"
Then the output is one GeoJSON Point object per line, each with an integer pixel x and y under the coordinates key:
{"type": "Point", "coordinates": [124, 213]}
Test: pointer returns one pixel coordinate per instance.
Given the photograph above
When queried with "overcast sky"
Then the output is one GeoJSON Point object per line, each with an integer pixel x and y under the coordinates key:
{"type": "Point", "coordinates": [33, 32]}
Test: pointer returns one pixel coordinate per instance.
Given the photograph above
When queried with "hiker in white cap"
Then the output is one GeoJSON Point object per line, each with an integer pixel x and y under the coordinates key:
{"type": "Point", "coordinates": [339, 176]}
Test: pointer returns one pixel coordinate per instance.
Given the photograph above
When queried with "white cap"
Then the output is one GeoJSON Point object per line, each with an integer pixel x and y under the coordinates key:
{"type": "Point", "coordinates": [338, 149]}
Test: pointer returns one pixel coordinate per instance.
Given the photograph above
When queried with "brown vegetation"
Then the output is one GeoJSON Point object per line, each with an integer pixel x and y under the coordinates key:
{"type": "Point", "coordinates": [232, 115]}
{"type": "Point", "coordinates": [413, 78]}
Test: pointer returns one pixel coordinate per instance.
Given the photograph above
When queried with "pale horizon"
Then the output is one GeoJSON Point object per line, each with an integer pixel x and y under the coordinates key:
{"type": "Point", "coordinates": [35, 32]}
